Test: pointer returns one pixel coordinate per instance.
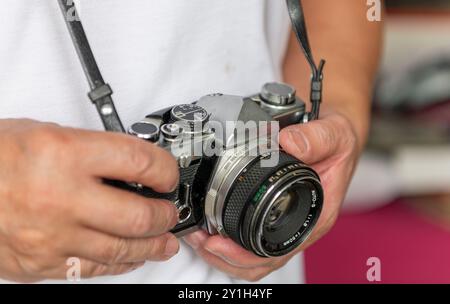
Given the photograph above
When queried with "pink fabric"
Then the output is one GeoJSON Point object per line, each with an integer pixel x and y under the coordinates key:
{"type": "Point", "coordinates": [411, 249]}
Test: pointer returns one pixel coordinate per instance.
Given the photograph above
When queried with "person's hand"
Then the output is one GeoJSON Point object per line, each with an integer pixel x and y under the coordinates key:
{"type": "Point", "coordinates": [331, 147]}
{"type": "Point", "coordinates": [53, 204]}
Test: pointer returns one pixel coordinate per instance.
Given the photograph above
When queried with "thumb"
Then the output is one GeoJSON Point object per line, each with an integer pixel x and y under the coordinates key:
{"type": "Point", "coordinates": [311, 142]}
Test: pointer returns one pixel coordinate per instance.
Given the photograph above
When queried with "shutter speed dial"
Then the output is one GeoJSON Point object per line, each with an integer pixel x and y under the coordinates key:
{"type": "Point", "coordinates": [189, 113]}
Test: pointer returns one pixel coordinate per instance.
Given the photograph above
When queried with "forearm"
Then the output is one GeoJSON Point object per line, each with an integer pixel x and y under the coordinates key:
{"type": "Point", "coordinates": [340, 33]}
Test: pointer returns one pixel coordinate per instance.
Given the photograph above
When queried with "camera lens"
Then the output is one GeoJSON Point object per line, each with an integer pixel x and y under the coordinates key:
{"type": "Point", "coordinates": [272, 210]}
{"type": "Point", "coordinates": [287, 214]}
{"type": "Point", "coordinates": [283, 208]}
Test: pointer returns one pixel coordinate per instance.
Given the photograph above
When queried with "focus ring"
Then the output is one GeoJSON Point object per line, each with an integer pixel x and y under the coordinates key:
{"type": "Point", "coordinates": [244, 189]}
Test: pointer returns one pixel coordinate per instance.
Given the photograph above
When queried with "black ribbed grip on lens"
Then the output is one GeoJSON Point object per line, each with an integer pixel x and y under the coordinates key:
{"type": "Point", "coordinates": [244, 189]}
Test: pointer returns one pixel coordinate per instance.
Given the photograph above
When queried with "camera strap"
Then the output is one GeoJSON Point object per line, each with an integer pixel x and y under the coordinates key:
{"type": "Point", "coordinates": [101, 93]}
{"type": "Point", "coordinates": [299, 26]}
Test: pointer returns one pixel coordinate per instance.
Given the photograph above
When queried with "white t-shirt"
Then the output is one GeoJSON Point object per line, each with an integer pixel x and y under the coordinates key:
{"type": "Point", "coordinates": [154, 54]}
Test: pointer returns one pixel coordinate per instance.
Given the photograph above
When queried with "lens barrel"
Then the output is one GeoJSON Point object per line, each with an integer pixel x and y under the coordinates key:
{"type": "Point", "coordinates": [272, 210]}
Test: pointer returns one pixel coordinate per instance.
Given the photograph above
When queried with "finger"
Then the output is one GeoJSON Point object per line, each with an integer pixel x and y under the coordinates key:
{"type": "Point", "coordinates": [248, 274]}
{"type": "Point", "coordinates": [125, 158]}
{"type": "Point", "coordinates": [234, 254]}
{"type": "Point", "coordinates": [122, 213]}
{"type": "Point", "coordinates": [74, 269]}
{"type": "Point", "coordinates": [227, 250]}
{"type": "Point", "coordinates": [90, 269]}
{"type": "Point", "coordinates": [314, 141]}
{"type": "Point", "coordinates": [109, 250]}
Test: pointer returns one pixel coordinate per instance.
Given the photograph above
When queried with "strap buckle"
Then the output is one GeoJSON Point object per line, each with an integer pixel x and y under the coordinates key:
{"type": "Point", "coordinates": [100, 93]}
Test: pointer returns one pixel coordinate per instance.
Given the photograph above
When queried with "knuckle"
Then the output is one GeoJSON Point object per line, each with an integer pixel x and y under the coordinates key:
{"type": "Point", "coordinates": [140, 160]}
{"type": "Point", "coordinates": [143, 221]}
{"type": "Point", "coordinates": [121, 251]}
{"type": "Point", "coordinates": [145, 159]}
{"type": "Point", "coordinates": [115, 252]}
{"type": "Point", "coordinates": [350, 139]}
{"type": "Point", "coordinates": [157, 249]}
{"type": "Point", "coordinates": [49, 142]}
{"type": "Point", "coordinates": [165, 214]}
{"type": "Point", "coordinates": [326, 135]}
{"type": "Point", "coordinates": [45, 133]}
{"type": "Point", "coordinates": [29, 242]}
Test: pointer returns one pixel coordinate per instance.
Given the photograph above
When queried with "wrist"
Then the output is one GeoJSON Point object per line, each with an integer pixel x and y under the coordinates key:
{"type": "Point", "coordinates": [352, 103]}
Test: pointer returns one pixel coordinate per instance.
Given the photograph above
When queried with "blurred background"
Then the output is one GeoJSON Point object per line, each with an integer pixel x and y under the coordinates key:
{"type": "Point", "coordinates": [398, 206]}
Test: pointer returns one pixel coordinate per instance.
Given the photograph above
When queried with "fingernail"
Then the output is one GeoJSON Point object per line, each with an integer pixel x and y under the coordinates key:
{"type": "Point", "coordinates": [172, 247]}
{"type": "Point", "coordinates": [174, 187]}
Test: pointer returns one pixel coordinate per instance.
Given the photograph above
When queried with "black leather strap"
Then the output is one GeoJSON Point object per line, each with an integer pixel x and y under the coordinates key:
{"type": "Point", "coordinates": [101, 92]}
{"type": "Point", "coordinates": [299, 26]}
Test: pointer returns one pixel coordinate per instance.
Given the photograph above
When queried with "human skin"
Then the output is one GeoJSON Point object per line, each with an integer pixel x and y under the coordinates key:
{"type": "Point", "coordinates": [340, 33]}
{"type": "Point", "coordinates": [53, 204]}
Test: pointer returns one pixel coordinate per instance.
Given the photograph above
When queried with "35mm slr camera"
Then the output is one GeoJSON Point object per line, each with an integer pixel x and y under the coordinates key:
{"type": "Point", "coordinates": [236, 191]}
{"type": "Point", "coordinates": [268, 207]}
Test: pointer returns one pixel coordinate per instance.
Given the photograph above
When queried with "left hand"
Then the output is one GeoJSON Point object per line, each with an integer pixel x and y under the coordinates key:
{"type": "Point", "coordinates": [330, 146]}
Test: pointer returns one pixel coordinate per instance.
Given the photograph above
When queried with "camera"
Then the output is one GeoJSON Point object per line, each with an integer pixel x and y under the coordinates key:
{"type": "Point", "coordinates": [234, 179]}
{"type": "Point", "coordinates": [247, 189]}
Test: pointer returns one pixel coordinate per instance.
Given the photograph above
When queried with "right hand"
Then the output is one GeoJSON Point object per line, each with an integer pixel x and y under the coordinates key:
{"type": "Point", "coordinates": [53, 204]}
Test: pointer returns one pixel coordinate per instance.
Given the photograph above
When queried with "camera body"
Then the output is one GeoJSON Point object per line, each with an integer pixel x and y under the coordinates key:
{"type": "Point", "coordinates": [234, 180]}
{"type": "Point", "coordinates": [226, 147]}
